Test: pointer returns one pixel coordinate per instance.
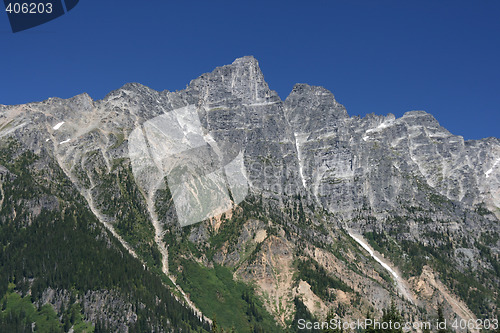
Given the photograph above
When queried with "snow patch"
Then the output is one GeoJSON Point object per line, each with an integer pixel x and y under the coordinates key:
{"type": "Point", "coordinates": [370, 251]}
{"type": "Point", "coordinates": [438, 135]}
{"type": "Point", "coordinates": [399, 281]}
{"type": "Point", "coordinates": [261, 103]}
{"type": "Point", "coordinates": [300, 138]}
{"type": "Point", "coordinates": [8, 131]}
{"type": "Point", "coordinates": [487, 173]}
{"type": "Point", "coordinates": [58, 125]}
{"type": "Point", "coordinates": [380, 127]}
{"type": "Point", "coordinates": [396, 141]}
{"type": "Point", "coordinates": [65, 141]}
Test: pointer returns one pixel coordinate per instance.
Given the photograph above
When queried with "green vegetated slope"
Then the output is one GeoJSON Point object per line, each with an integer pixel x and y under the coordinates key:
{"type": "Point", "coordinates": [218, 290]}
{"type": "Point", "coordinates": [19, 314]}
{"type": "Point", "coordinates": [321, 282]}
{"type": "Point", "coordinates": [50, 241]}
{"type": "Point", "coordinates": [231, 303]}
{"type": "Point", "coordinates": [116, 195]}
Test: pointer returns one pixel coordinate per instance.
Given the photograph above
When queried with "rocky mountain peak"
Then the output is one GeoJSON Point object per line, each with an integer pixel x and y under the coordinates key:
{"type": "Point", "coordinates": [312, 108]}
{"type": "Point", "coordinates": [129, 89]}
{"type": "Point", "coordinates": [246, 60]}
{"type": "Point", "coordinates": [421, 118]}
{"type": "Point", "coordinates": [242, 79]}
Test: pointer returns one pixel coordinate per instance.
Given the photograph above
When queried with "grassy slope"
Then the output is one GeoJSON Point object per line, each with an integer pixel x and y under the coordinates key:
{"type": "Point", "coordinates": [232, 303]}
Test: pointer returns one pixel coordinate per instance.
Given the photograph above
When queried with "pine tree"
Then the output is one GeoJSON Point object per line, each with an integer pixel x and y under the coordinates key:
{"type": "Point", "coordinates": [329, 317]}
{"type": "Point", "coordinates": [370, 328]}
{"type": "Point", "coordinates": [441, 319]}
{"type": "Point", "coordinates": [215, 327]}
{"type": "Point", "coordinates": [393, 316]}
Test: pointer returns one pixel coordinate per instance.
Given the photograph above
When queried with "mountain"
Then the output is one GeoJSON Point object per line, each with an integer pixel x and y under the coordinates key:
{"type": "Point", "coordinates": [306, 212]}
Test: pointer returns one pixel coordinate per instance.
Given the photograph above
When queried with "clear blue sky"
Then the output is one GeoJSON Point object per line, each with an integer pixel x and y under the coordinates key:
{"type": "Point", "coordinates": [375, 56]}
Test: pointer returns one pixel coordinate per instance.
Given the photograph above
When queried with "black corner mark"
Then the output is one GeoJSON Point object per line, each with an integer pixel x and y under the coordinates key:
{"type": "Point", "coordinates": [26, 14]}
{"type": "Point", "coordinates": [70, 4]}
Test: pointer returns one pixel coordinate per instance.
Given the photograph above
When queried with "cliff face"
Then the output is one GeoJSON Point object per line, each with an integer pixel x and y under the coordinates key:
{"type": "Point", "coordinates": [427, 199]}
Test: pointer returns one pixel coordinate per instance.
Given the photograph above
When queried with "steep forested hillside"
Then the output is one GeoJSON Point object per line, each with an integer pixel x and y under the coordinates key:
{"type": "Point", "coordinates": [60, 268]}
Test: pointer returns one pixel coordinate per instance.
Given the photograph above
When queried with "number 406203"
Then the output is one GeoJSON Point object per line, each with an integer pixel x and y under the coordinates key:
{"type": "Point", "coordinates": [29, 8]}
{"type": "Point", "coordinates": [478, 324]}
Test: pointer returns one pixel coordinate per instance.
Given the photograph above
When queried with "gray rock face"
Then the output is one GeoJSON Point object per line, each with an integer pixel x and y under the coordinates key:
{"type": "Point", "coordinates": [238, 108]}
{"type": "Point", "coordinates": [351, 161]}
